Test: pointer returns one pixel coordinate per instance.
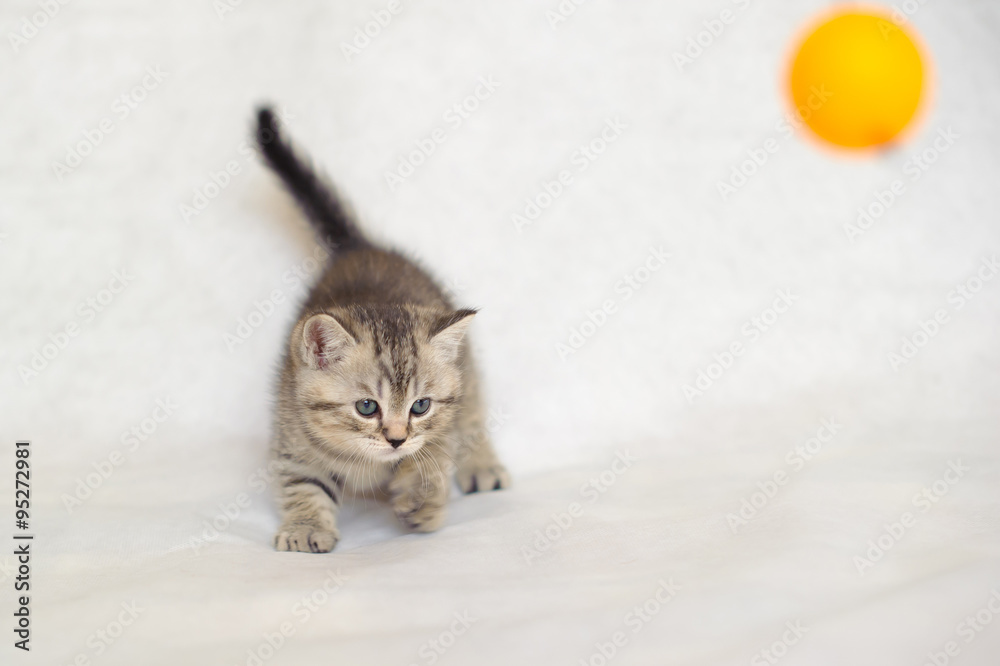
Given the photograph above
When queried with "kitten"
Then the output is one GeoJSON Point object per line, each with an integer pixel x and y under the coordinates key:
{"type": "Point", "coordinates": [377, 390]}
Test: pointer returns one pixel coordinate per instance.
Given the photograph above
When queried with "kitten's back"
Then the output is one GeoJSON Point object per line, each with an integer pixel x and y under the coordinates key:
{"type": "Point", "coordinates": [371, 275]}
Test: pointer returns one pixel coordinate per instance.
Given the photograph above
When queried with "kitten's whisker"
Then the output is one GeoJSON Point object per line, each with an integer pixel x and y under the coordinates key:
{"type": "Point", "coordinates": [417, 460]}
{"type": "Point", "coordinates": [350, 470]}
{"type": "Point", "coordinates": [444, 477]}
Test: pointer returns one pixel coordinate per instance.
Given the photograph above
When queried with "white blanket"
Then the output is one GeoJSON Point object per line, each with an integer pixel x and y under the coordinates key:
{"type": "Point", "coordinates": [743, 426]}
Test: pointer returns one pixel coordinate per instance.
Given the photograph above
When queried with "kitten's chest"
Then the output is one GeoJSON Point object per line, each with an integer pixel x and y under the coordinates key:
{"type": "Point", "coordinates": [361, 480]}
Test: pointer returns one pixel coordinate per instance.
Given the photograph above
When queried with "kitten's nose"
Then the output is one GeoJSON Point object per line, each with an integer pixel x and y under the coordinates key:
{"type": "Point", "coordinates": [395, 432]}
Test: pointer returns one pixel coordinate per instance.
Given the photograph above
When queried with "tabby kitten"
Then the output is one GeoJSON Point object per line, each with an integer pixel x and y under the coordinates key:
{"type": "Point", "coordinates": [377, 391]}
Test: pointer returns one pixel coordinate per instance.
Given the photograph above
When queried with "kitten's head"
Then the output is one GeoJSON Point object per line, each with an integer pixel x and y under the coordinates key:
{"type": "Point", "coordinates": [379, 382]}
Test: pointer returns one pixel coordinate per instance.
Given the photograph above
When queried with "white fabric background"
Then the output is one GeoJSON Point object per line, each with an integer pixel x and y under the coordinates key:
{"type": "Point", "coordinates": [209, 602]}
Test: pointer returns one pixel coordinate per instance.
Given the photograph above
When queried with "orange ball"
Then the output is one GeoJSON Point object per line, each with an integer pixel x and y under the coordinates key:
{"type": "Point", "coordinates": [857, 79]}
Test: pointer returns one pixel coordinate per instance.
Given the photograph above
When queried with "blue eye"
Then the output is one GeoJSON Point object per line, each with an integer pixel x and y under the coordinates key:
{"type": "Point", "coordinates": [366, 407]}
{"type": "Point", "coordinates": [421, 406]}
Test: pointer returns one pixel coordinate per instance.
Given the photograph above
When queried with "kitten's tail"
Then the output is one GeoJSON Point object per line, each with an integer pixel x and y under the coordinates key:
{"type": "Point", "coordinates": [318, 200]}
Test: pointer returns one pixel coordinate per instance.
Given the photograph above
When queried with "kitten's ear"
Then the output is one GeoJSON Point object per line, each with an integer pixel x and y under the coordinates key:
{"type": "Point", "coordinates": [324, 341]}
{"type": "Point", "coordinates": [448, 333]}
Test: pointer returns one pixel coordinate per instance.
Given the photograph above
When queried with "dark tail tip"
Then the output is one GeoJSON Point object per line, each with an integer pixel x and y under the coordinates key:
{"type": "Point", "coordinates": [268, 132]}
{"type": "Point", "coordinates": [265, 116]}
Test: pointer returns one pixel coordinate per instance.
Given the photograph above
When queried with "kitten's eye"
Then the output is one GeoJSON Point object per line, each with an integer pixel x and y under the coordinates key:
{"type": "Point", "coordinates": [421, 406]}
{"type": "Point", "coordinates": [366, 407]}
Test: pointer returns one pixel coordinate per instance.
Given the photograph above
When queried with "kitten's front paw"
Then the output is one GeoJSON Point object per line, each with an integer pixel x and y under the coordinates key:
{"type": "Point", "coordinates": [426, 518]}
{"type": "Point", "coordinates": [305, 539]}
{"type": "Point", "coordinates": [482, 478]}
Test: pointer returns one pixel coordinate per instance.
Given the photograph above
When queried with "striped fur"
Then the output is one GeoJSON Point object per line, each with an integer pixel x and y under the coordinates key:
{"type": "Point", "coordinates": [376, 327]}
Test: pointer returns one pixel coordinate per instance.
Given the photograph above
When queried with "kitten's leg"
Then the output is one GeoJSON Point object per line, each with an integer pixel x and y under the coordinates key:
{"type": "Point", "coordinates": [419, 489]}
{"type": "Point", "coordinates": [477, 467]}
{"type": "Point", "coordinates": [309, 504]}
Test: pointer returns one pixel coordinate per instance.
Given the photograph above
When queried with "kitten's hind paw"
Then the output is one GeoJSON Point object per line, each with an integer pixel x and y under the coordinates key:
{"type": "Point", "coordinates": [305, 539]}
{"type": "Point", "coordinates": [484, 478]}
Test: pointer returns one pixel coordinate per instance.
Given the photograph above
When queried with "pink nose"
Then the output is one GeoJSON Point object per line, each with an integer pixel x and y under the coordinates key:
{"type": "Point", "coordinates": [394, 433]}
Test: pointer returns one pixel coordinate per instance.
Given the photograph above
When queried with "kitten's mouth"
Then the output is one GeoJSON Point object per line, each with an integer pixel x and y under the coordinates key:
{"type": "Point", "coordinates": [388, 454]}
{"type": "Point", "coordinates": [391, 455]}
